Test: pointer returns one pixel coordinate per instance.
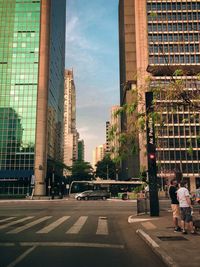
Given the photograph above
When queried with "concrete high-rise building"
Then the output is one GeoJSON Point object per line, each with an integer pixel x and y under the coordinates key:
{"type": "Point", "coordinates": [98, 154]}
{"type": "Point", "coordinates": [157, 38]}
{"type": "Point", "coordinates": [81, 150]}
{"type": "Point", "coordinates": [32, 53]}
{"type": "Point", "coordinates": [130, 166]}
{"type": "Point", "coordinates": [107, 137]}
{"type": "Point", "coordinates": [115, 126]}
{"type": "Point", "coordinates": [71, 135]}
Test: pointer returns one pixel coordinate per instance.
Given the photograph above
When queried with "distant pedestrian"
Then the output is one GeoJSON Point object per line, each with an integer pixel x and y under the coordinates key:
{"type": "Point", "coordinates": [186, 209]}
{"type": "Point", "coordinates": [197, 194]}
{"type": "Point", "coordinates": [174, 205]}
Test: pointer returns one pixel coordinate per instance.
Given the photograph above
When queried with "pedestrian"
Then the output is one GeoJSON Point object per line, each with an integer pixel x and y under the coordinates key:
{"type": "Point", "coordinates": [186, 209]}
{"type": "Point", "coordinates": [197, 195]}
{"type": "Point", "coordinates": [174, 204]}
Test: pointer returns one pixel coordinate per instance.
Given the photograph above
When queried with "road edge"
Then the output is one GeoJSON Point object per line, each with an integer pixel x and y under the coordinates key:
{"type": "Point", "coordinates": [157, 249]}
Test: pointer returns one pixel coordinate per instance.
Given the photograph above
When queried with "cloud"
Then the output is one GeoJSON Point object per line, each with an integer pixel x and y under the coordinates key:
{"type": "Point", "coordinates": [86, 133]}
{"type": "Point", "coordinates": [92, 52]}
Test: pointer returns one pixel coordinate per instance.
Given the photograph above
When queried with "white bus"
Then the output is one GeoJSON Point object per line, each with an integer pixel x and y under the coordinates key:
{"type": "Point", "coordinates": [112, 186]}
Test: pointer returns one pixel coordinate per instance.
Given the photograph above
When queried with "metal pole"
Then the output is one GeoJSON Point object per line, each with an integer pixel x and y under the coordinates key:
{"type": "Point", "coordinates": [151, 153]}
{"type": "Point", "coordinates": [107, 171]}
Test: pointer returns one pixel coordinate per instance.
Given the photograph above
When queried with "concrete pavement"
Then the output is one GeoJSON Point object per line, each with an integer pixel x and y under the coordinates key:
{"type": "Point", "coordinates": [174, 248]}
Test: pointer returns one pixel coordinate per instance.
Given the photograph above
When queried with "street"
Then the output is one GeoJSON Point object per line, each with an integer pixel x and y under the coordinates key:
{"type": "Point", "coordinates": [71, 233]}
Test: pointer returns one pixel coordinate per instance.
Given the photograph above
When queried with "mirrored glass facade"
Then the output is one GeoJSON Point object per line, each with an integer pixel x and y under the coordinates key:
{"type": "Point", "coordinates": [20, 39]}
{"type": "Point", "coordinates": [19, 48]}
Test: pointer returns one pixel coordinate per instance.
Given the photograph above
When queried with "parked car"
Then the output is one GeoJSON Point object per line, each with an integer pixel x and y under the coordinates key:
{"type": "Point", "coordinates": [93, 194]}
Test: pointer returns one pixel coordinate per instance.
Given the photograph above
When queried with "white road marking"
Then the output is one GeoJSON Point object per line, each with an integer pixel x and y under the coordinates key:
{"type": "Point", "coordinates": [148, 225]}
{"type": "Point", "coordinates": [70, 244]}
{"type": "Point", "coordinates": [28, 225]}
{"type": "Point", "coordinates": [15, 222]}
{"type": "Point", "coordinates": [21, 257]}
{"type": "Point", "coordinates": [7, 219]}
{"type": "Point", "coordinates": [53, 225]}
{"type": "Point", "coordinates": [78, 225]}
{"type": "Point", "coordinates": [132, 219]}
{"type": "Point", "coordinates": [102, 228]}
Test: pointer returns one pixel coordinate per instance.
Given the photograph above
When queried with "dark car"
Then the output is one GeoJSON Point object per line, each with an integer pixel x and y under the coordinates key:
{"type": "Point", "coordinates": [93, 194]}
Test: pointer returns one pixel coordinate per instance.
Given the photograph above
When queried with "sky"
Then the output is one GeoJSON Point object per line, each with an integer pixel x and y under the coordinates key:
{"type": "Point", "coordinates": [93, 54]}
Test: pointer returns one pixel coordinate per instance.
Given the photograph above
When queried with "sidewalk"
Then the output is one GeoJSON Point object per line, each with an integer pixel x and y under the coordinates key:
{"type": "Point", "coordinates": [175, 249]}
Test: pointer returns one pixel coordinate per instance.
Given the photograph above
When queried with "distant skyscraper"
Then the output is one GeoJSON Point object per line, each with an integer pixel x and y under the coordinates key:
{"type": "Point", "coordinates": [81, 150]}
{"type": "Point", "coordinates": [107, 137]}
{"type": "Point", "coordinates": [157, 38]}
{"type": "Point", "coordinates": [32, 53]}
{"type": "Point", "coordinates": [70, 133]}
{"type": "Point", "coordinates": [98, 154]}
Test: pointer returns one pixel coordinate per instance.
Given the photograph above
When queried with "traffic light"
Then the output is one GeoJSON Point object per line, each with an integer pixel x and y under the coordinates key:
{"type": "Point", "coordinates": [152, 156]}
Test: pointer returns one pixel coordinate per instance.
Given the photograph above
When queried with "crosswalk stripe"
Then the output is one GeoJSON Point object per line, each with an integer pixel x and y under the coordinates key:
{"type": "Point", "coordinates": [7, 219]}
{"type": "Point", "coordinates": [15, 222]}
{"type": "Point", "coordinates": [28, 225]}
{"type": "Point", "coordinates": [53, 225]}
{"type": "Point", "coordinates": [102, 228]}
{"type": "Point", "coordinates": [78, 225]}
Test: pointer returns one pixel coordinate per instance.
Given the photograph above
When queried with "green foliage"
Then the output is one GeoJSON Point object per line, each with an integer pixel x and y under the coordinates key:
{"type": "Point", "coordinates": [142, 122]}
{"type": "Point", "coordinates": [82, 170]}
{"type": "Point", "coordinates": [178, 72]}
{"type": "Point", "coordinates": [190, 150]}
{"type": "Point", "coordinates": [123, 138]}
{"type": "Point", "coordinates": [153, 15]}
{"type": "Point", "coordinates": [198, 140]}
{"type": "Point", "coordinates": [131, 108]}
{"type": "Point", "coordinates": [106, 168]}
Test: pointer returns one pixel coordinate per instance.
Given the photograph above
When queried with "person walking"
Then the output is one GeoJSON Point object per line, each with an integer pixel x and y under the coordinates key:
{"type": "Point", "coordinates": [185, 205]}
{"type": "Point", "coordinates": [174, 204]}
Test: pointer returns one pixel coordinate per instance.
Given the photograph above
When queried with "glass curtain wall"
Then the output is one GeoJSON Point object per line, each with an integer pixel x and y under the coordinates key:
{"type": "Point", "coordinates": [19, 52]}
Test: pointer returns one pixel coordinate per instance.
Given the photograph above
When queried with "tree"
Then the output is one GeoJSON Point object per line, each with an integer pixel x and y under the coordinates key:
{"type": "Point", "coordinates": [81, 171]}
{"type": "Point", "coordinates": [106, 168]}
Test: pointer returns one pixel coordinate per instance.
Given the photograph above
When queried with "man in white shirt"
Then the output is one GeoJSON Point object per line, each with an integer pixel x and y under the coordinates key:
{"type": "Point", "coordinates": [185, 205]}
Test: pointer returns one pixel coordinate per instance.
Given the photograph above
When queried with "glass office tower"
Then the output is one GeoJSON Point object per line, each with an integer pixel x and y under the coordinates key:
{"type": "Point", "coordinates": [32, 49]}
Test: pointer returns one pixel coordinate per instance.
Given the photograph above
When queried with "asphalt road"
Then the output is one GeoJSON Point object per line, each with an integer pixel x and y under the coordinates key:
{"type": "Point", "coordinates": [69, 233]}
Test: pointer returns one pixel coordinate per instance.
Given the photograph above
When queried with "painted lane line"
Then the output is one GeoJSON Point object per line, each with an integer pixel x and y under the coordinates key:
{"type": "Point", "coordinates": [15, 222]}
{"type": "Point", "coordinates": [21, 257]}
{"type": "Point", "coordinates": [102, 228]}
{"type": "Point", "coordinates": [75, 229]}
{"type": "Point", "coordinates": [7, 219]}
{"type": "Point", "coordinates": [28, 225]}
{"type": "Point", "coordinates": [70, 244]}
{"type": "Point", "coordinates": [53, 225]}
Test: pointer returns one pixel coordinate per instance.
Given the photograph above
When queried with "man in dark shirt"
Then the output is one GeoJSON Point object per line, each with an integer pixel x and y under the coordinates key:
{"type": "Point", "coordinates": [174, 204]}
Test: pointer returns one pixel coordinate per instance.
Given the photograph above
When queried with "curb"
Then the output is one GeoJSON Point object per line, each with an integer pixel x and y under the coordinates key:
{"type": "Point", "coordinates": [157, 249]}
{"type": "Point", "coordinates": [30, 200]}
